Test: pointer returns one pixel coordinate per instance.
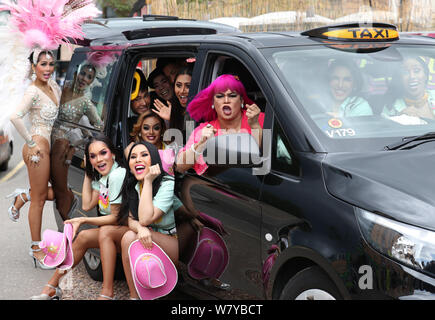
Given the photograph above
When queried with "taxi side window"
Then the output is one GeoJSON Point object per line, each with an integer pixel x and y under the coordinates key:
{"type": "Point", "coordinates": [282, 158]}
{"type": "Point", "coordinates": [85, 89]}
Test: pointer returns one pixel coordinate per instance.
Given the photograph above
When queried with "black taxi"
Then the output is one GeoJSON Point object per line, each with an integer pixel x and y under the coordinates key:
{"type": "Point", "coordinates": [339, 203]}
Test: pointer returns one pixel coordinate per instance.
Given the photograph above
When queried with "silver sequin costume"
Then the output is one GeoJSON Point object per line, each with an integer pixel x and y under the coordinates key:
{"type": "Point", "coordinates": [41, 109]}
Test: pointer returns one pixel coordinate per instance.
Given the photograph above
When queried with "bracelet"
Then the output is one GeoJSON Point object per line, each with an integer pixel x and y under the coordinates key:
{"type": "Point", "coordinates": [193, 149]}
{"type": "Point", "coordinates": [31, 143]}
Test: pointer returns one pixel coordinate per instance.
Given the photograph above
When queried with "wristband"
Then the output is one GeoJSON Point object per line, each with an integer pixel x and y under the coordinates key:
{"type": "Point", "coordinates": [193, 149]}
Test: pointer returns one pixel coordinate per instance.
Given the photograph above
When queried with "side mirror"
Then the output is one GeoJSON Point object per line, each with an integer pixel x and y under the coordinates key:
{"type": "Point", "coordinates": [235, 150]}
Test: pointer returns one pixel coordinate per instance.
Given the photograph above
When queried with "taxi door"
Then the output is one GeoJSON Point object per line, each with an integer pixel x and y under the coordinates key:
{"type": "Point", "coordinates": [225, 200]}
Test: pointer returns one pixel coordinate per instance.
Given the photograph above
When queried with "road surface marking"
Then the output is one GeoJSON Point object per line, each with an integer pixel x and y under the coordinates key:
{"type": "Point", "coordinates": [12, 172]}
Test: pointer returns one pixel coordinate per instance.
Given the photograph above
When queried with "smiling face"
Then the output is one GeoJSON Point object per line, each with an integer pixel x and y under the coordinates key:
{"type": "Point", "coordinates": [163, 87]}
{"type": "Point", "coordinates": [228, 104]}
{"type": "Point", "coordinates": [100, 157]}
{"type": "Point", "coordinates": [341, 83]}
{"type": "Point", "coordinates": [414, 79]}
{"type": "Point", "coordinates": [181, 88]}
{"type": "Point", "coordinates": [85, 77]}
{"type": "Point", "coordinates": [151, 130]}
{"type": "Point", "coordinates": [139, 161]}
{"type": "Point", "coordinates": [141, 103]}
{"type": "Point", "coordinates": [44, 67]}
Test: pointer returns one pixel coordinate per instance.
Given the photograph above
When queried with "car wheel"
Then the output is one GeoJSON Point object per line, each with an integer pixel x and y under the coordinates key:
{"type": "Point", "coordinates": [93, 265]}
{"type": "Point", "coordinates": [310, 284]}
{"type": "Point", "coordinates": [4, 166]}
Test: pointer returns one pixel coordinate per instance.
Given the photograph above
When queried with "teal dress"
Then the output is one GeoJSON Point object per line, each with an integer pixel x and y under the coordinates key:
{"type": "Point", "coordinates": [164, 200]}
{"type": "Point", "coordinates": [399, 105]}
{"type": "Point", "coordinates": [109, 188]}
{"type": "Point", "coordinates": [354, 107]}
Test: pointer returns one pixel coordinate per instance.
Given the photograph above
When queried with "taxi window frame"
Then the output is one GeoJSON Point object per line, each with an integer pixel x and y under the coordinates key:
{"type": "Point", "coordinates": [334, 145]}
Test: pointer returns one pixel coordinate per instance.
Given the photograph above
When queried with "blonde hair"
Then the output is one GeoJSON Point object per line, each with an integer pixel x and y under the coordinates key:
{"type": "Point", "coordinates": [135, 132]}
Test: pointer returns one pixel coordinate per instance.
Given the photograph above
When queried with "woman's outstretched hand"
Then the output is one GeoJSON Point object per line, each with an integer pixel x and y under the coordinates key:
{"type": "Point", "coordinates": [162, 110]}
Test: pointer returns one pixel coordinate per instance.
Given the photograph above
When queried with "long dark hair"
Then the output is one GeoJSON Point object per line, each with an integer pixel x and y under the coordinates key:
{"type": "Point", "coordinates": [177, 113]}
{"type": "Point", "coordinates": [89, 170]}
{"type": "Point", "coordinates": [130, 199]}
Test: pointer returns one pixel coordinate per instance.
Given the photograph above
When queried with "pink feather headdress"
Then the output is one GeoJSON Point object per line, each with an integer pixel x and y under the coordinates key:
{"type": "Point", "coordinates": [48, 23]}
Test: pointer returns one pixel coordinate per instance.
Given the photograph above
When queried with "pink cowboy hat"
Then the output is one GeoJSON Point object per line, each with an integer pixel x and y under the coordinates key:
{"type": "Point", "coordinates": [153, 272]}
{"type": "Point", "coordinates": [54, 244]}
{"type": "Point", "coordinates": [168, 158]}
{"type": "Point", "coordinates": [210, 257]}
{"type": "Point", "coordinates": [69, 258]}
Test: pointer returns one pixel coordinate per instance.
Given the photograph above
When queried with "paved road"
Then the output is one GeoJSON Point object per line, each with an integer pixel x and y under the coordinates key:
{"type": "Point", "coordinates": [19, 279]}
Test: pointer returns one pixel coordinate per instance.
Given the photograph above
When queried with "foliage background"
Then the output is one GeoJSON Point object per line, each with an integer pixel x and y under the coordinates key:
{"type": "Point", "coordinates": [406, 14]}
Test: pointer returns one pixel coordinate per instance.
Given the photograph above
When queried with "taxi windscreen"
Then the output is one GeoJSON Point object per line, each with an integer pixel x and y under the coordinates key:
{"type": "Point", "coordinates": [375, 93]}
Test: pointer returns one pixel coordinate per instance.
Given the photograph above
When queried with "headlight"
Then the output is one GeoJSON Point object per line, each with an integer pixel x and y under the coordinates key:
{"type": "Point", "coordinates": [407, 244]}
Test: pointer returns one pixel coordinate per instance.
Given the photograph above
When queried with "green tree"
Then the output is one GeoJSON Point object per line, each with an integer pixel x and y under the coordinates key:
{"type": "Point", "coordinates": [121, 8]}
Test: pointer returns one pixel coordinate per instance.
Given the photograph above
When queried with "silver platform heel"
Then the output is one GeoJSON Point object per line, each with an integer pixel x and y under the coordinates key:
{"type": "Point", "coordinates": [43, 296]}
{"type": "Point", "coordinates": [14, 213]}
{"type": "Point", "coordinates": [38, 263]}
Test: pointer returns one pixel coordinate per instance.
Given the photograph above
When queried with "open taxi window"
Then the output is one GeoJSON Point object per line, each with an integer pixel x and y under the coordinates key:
{"type": "Point", "coordinates": [223, 64]}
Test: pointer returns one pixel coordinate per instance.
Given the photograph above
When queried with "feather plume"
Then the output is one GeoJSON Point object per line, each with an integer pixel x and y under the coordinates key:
{"type": "Point", "coordinates": [48, 23]}
{"type": "Point", "coordinates": [43, 24]}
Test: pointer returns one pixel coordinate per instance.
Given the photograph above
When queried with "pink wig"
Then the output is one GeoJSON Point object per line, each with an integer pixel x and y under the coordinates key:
{"type": "Point", "coordinates": [200, 107]}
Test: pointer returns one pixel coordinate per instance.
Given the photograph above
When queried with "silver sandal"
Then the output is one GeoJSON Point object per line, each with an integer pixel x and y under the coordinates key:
{"type": "Point", "coordinates": [14, 213]}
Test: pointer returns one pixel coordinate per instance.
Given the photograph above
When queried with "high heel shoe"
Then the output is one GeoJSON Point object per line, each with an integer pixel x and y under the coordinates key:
{"type": "Point", "coordinates": [14, 213]}
{"type": "Point", "coordinates": [38, 262]}
{"type": "Point", "coordinates": [43, 296]}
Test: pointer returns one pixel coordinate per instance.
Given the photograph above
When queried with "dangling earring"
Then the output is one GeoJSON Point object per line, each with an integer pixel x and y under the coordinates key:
{"type": "Point", "coordinates": [33, 76]}
{"type": "Point", "coordinates": [212, 106]}
{"type": "Point", "coordinates": [242, 105]}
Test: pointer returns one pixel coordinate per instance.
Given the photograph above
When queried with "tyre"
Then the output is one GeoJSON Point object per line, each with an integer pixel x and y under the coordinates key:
{"type": "Point", "coordinates": [310, 284]}
{"type": "Point", "coordinates": [93, 265]}
{"type": "Point", "coordinates": [94, 268]}
{"type": "Point", "coordinates": [4, 166]}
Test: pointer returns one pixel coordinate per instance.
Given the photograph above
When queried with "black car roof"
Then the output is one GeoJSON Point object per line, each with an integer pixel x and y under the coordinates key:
{"type": "Point", "coordinates": [120, 30]}
{"type": "Point", "coordinates": [142, 30]}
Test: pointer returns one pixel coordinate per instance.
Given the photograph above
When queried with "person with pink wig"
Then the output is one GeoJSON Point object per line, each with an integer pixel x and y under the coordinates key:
{"type": "Point", "coordinates": [224, 108]}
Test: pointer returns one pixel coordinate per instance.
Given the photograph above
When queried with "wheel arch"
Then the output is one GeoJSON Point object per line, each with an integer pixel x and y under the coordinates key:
{"type": "Point", "coordinates": [295, 259]}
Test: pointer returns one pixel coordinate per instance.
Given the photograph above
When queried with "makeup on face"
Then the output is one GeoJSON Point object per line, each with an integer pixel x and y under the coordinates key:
{"type": "Point", "coordinates": [85, 77]}
{"type": "Point", "coordinates": [181, 88]}
{"type": "Point", "coordinates": [139, 162]}
{"type": "Point", "coordinates": [414, 78]}
{"type": "Point", "coordinates": [151, 130]}
{"type": "Point", "coordinates": [227, 104]}
{"type": "Point", "coordinates": [341, 83]}
{"type": "Point", "coordinates": [44, 68]}
{"type": "Point", "coordinates": [100, 157]}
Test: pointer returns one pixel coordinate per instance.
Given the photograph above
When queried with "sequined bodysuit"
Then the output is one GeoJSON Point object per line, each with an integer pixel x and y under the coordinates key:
{"type": "Point", "coordinates": [71, 112]}
{"type": "Point", "coordinates": [42, 112]}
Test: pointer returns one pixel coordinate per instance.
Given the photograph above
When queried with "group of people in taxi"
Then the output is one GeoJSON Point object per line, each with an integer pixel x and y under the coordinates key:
{"type": "Point", "coordinates": [136, 201]}
{"type": "Point", "coordinates": [412, 98]}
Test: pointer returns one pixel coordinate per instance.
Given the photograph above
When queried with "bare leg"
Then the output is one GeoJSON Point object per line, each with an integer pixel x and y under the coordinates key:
{"type": "Point", "coordinates": [110, 244]}
{"type": "Point", "coordinates": [38, 178]}
{"type": "Point", "coordinates": [85, 240]}
{"type": "Point", "coordinates": [60, 152]}
{"type": "Point", "coordinates": [19, 202]}
{"type": "Point", "coordinates": [168, 243]}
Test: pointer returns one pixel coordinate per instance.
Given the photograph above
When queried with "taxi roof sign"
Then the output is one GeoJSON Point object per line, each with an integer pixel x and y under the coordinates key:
{"type": "Point", "coordinates": [355, 32]}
